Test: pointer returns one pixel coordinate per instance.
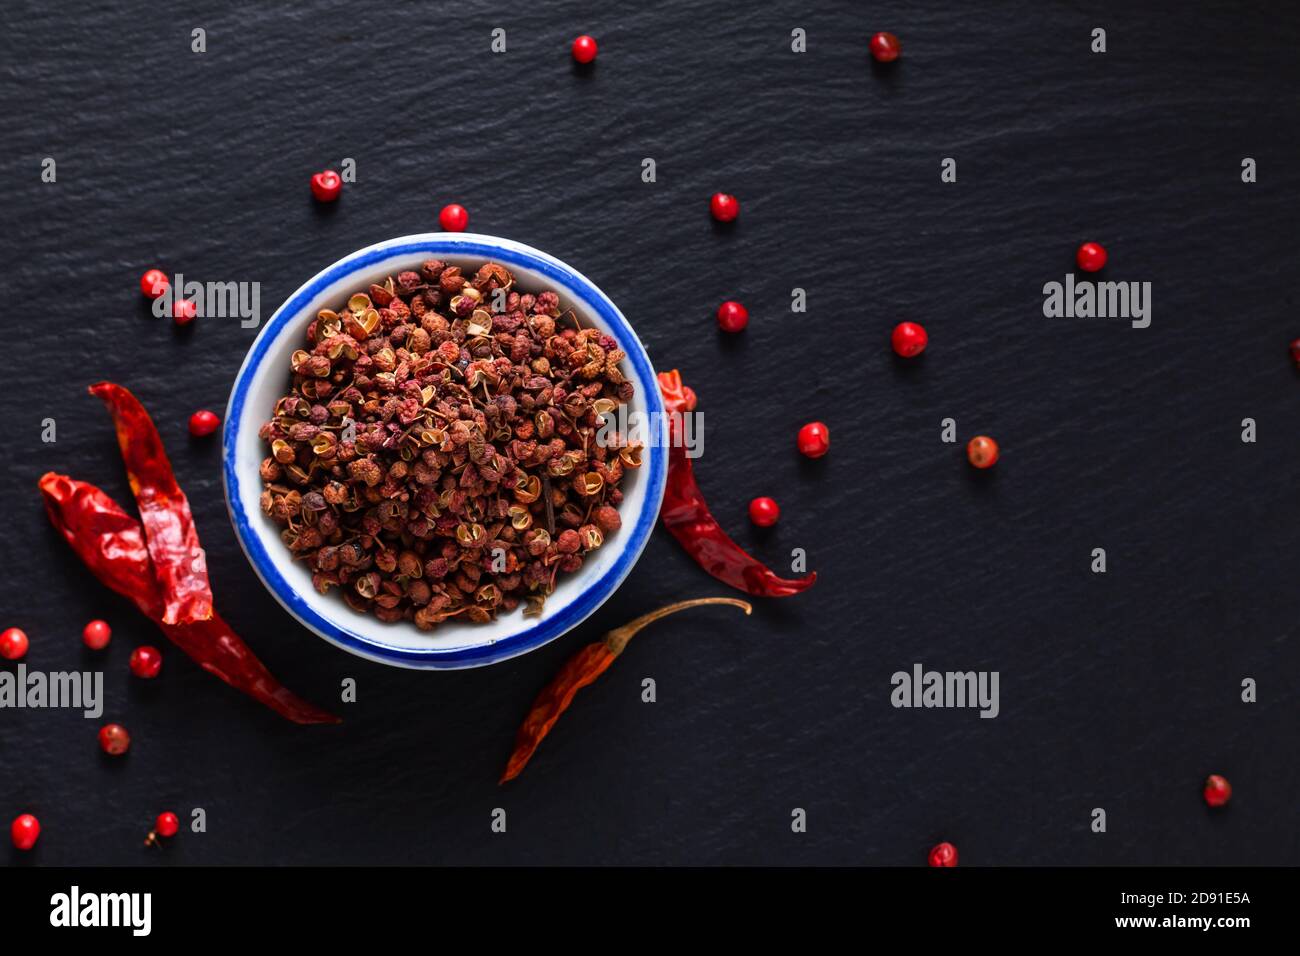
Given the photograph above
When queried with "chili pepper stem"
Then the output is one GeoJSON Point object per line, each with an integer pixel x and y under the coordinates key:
{"type": "Point", "coordinates": [617, 639]}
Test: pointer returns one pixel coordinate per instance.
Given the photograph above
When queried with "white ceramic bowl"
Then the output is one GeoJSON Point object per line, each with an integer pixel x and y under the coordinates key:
{"type": "Point", "coordinates": [264, 377]}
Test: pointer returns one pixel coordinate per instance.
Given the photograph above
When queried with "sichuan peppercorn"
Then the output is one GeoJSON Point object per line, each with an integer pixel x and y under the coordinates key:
{"type": "Point", "coordinates": [438, 455]}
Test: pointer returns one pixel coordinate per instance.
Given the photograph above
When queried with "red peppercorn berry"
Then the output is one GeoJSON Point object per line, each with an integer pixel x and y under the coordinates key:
{"type": "Point", "coordinates": [96, 635]}
{"type": "Point", "coordinates": [1295, 351]}
{"type": "Point", "coordinates": [326, 185]}
{"type": "Point", "coordinates": [154, 283]}
{"type": "Point", "coordinates": [146, 662]}
{"type": "Point", "coordinates": [453, 218]}
{"type": "Point", "coordinates": [909, 339]}
{"type": "Point", "coordinates": [732, 316]}
{"type": "Point", "coordinates": [167, 825]}
{"type": "Point", "coordinates": [885, 47]}
{"type": "Point", "coordinates": [1217, 790]}
{"type": "Point", "coordinates": [764, 512]}
{"type": "Point", "coordinates": [204, 423]}
{"type": "Point", "coordinates": [943, 854]}
{"type": "Point", "coordinates": [184, 311]}
{"type": "Point", "coordinates": [113, 739]}
{"type": "Point", "coordinates": [724, 207]}
{"type": "Point", "coordinates": [584, 49]}
{"type": "Point", "coordinates": [24, 831]}
{"type": "Point", "coordinates": [982, 451]}
{"type": "Point", "coordinates": [815, 439]}
{"type": "Point", "coordinates": [13, 644]}
{"type": "Point", "coordinates": [1091, 256]}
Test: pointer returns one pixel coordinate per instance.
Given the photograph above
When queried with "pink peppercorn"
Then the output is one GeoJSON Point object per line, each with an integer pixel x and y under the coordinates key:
{"type": "Point", "coordinates": [724, 207]}
{"type": "Point", "coordinates": [453, 218]}
{"type": "Point", "coordinates": [114, 740]}
{"type": "Point", "coordinates": [584, 49]}
{"type": "Point", "coordinates": [814, 439]}
{"type": "Point", "coordinates": [909, 339]}
{"type": "Point", "coordinates": [764, 512]}
{"type": "Point", "coordinates": [885, 47]}
{"type": "Point", "coordinates": [732, 316]}
{"type": "Point", "coordinates": [167, 825]}
{"type": "Point", "coordinates": [96, 635]}
{"type": "Point", "coordinates": [184, 311]}
{"type": "Point", "coordinates": [982, 451]}
{"type": "Point", "coordinates": [326, 185]}
{"type": "Point", "coordinates": [154, 283]}
{"type": "Point", "coordinates": [1091, 256]}
{"type": "Point", "coordinates": [1217, 790]}
{"type": "Point", "coordinates": [24, 831]}
{"type": "Point", "coordinates": [146, 662]}
{"type": "Point", "coordinates": [13, 644]}
{"type": "Point", "coordinates": [944, 854]}
{"type": "Point", "coordinates": [204, 423]}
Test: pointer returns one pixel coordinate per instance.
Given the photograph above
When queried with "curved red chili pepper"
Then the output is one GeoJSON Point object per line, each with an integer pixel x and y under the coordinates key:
{"type": "Point", "coordinates": [687, 518]}
{"type": "Point", "coordinates": [582, 669]}
{"type": "Point", "coordinates": [112, 544]}
{"type": "Point", "coordinates": [171, 537]}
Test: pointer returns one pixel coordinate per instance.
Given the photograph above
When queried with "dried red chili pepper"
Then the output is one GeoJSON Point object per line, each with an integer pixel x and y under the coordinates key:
{"type": "Point", "coordinates": [112, 544]}
{"type": "Point", "coordinates": [687, 518]}
{"type": "Point", "coordinates": [170, 535]}
{"type": "Point", "coordinates": [581, 669]}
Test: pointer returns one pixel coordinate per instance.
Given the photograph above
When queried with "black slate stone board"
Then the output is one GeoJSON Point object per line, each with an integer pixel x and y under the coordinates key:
{"type": "Point", "coordinates": [1119, 691]}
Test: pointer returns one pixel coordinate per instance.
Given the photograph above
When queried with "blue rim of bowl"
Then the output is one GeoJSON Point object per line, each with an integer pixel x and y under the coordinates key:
{"type": "Point", "coordinates": [546, 630]}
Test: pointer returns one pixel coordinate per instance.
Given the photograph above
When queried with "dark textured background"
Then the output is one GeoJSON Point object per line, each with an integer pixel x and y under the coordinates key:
{"type": "Point", "coordinates": [1118, 690]}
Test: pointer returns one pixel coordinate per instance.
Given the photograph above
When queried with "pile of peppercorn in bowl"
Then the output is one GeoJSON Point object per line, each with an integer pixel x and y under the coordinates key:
{"type": "Point", "coordinates": [418, 453]}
